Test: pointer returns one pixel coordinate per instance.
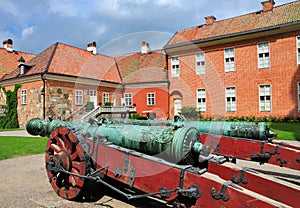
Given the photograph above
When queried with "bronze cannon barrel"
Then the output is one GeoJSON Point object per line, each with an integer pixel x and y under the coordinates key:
{"type": "Point", "coordinates": [179, 145]}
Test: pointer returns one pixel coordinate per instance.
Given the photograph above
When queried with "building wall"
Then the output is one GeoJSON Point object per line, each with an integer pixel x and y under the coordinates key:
{"type": "Point", "coordinates": [139, 98]}
{"type": "Point", "coordinates": [283, 76]}
{"type": "Point", "coordinates": [32, 107]}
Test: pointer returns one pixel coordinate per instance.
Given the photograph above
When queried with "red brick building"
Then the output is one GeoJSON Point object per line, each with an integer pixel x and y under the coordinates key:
{"type": "Point", "coordinates": [145, 80]}
{"type": "Point", "coordinates": [246, 66]}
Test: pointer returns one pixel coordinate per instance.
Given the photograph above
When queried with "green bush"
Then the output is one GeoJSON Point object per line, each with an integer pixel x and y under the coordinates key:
{"type": "Point", "coordinates": [89, 106]}
{"type": "Point", "coordinates": [190, 113]}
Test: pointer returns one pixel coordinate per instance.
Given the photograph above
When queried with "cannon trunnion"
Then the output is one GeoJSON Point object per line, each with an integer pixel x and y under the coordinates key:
{"type": "Point", "coordinates": [164, 161]}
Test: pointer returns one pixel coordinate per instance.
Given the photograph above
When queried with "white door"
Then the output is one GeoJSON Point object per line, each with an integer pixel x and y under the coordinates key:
{"type": "Point", "coordinates": [93, 97]}
{"type": "Point", "coordinates": [177, 106]}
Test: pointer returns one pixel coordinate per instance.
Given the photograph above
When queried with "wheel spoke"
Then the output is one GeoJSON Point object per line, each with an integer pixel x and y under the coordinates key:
{"type": "Point", "coordinates": [55, 148]}
{"type": "Point", "coordinates": [64, 147]}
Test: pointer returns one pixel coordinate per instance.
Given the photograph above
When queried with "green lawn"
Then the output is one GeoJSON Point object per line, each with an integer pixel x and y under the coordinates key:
{"type": "Point", "coordinates": [12, 146]}
{"type": "Point", "coordinates": [286, 130]}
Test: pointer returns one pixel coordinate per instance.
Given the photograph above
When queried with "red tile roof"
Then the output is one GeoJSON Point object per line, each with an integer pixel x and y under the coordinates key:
{"type": "Point", "coordinates": [137, 67]}
{"type": "Point", "coordinates": [280, 15]}
{"type": "Point", "coordinates": [71, 61]}
{"type": "Point", "coordinates": [9, 60]}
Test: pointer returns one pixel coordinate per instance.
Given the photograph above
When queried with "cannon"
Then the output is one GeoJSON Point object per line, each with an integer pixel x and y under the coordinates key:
{"type": "Point", "coordinates": [166, 161]}
{"type": "Point", "coordinates": [72, 150]}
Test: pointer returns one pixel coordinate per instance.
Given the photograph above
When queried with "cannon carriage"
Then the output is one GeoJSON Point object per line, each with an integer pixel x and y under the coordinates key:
{"type": "Point", "coordinates": [172, 160]}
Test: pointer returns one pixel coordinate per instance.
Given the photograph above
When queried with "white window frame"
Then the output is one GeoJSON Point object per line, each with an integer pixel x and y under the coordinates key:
{"type": "Point", "coordinates": [78, 97]}
{"type": "Point", "coordinates": [93, 92]}
{"type": "Point", "coordinates": [24, 97]}
{"type": "Point", "coordinates": [201, 99]}
{"type": "Point", "coordinates": [200, 63]}
{"type": "Point", "coordinates": [151, 99]}
{"type": "Point", "coordinates": [298, 49]}
{"type": "Point", "coordinates": [265, 98]}
{"type": "Point", "coordinates": [230, 99]}
{"type": "Point", "coordinates": [128, 99]}
{"type": "Point", "coordinates": [298, 96]}
{"type": "Point", "coordinates": [105, 97]}
{"type": "Point", "coordinates": [175, 69]}
{"type": "Point", "coordinates": [263, 55]}
{"type": "Point", "coordinates": [229, 60]}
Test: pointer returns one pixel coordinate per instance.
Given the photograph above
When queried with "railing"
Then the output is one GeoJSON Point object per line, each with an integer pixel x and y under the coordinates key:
{"type": "Point", "coordinates": [107, 110]}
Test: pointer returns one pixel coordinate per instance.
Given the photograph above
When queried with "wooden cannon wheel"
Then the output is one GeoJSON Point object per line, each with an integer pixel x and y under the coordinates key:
{"type": "Point", "coordinates": [64, 148]}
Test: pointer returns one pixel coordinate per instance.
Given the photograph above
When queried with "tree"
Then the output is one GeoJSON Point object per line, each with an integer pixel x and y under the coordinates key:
{"type": "Point", "coordinates": [10, 120]}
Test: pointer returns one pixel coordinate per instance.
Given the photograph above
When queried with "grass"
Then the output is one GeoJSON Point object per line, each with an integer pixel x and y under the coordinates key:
{"type": "Point", "coordinates": [15, 146]}
{"type": "Point", "coordinates": [286, 130]}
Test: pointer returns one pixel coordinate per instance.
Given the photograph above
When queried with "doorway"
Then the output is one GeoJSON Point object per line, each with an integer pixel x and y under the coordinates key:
{"type": "Point", "coordinates": [93, 97]}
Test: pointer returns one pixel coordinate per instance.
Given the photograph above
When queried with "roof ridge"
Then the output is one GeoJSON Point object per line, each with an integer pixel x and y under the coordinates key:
{"type": "Point", "coordinates": [51, 57]}
{"type": "Point", "coordinates": [234, 17]}
{"type": "Point", "coordinates": [97, 54]}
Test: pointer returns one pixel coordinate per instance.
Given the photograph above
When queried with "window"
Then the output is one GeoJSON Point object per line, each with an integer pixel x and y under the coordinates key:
{"type": "Point", "coordinates": [299, 96]}
{"type": "Point", "coordinates": [200, 63]}
{"type": "Point", "coordinates": [128, 99]}
{"type": "Point", "coordinates": [229, 59]}
{"type": "Point", "coordinates": [201, 100]}
{"type": "Point", "coordinates": [93, 93]}
{"type": "Point", "coordinates": [230, 99]}
{"type": "Point", "coordinates": [24, 97]}
{"type": "Point", "coordinates": [265, 98]}
{"type": "Point", "coordinates": [78, 97]}
{"type": "Point", "coordinates": [151, 99]}
{"type": "Point", "coordinates": [298, 49]}
{"type": "Point", "coordinates": [175, 66]}
{"type": "Point", "coordinates": [105, 97]}
{"type": "Point", "coordinates": [263, 55]}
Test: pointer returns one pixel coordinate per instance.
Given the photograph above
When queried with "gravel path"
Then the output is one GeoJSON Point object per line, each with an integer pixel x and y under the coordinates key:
{"type": "Point", "coordinates": [24, 184]}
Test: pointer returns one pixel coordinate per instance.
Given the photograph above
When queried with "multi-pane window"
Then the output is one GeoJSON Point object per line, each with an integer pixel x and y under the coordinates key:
{"type": "Point", "coordinates": [265, 98]}
{"type": "Point", "coordinates": [229, 59]}
{"type": "Point", "coordinates": [78, 97]}
{"type": "Point", "coordinates": [230, 99]}
{"type": "Point", "coordinates": [93, 93]}
{"type": "Point", "coordinates": [24, 96]}
{"type": "Point", "coordinates": [175, 66]}
{"type": "Point", "coordinates": [201, 100]}
{"type": "Point", "coordinates": [298, 49]}
{"type": "Point", "coordinates": [299, 96]}
{"type": "Point", "coordinates": [200, 63]}
{"type": "Point", "coordinates": [105, 97]}
{"type": "Point", "coordinates": [151, 99]}
{"type": "Point", "coordinates": [263, 55]}
{"type": "Point", "coordinates": [128, 99]}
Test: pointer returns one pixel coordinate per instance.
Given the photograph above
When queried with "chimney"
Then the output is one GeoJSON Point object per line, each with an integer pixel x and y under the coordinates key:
{"type": "Point", "coordinates": [8, 45]}
{"type": "Point", "coordinates": [21, 65]}
{"type": "Point", "coordinates": [268, 5]}
{"type": "Point", "coordinates": [210, 20]}
{"type": "Point", "coordinates": [145, 48]}
{"type": "Point", "coordinates": [92, 47]}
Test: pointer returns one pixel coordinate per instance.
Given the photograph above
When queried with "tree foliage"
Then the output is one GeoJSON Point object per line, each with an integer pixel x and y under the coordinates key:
{"type": "Point", "coordinates": [10, 121]}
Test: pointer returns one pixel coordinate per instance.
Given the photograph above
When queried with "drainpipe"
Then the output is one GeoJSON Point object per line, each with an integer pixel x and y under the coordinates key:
{"type": "Point", "coordinates": [43, 93]}
{"type": "Point", "coordinates": [168, 80]}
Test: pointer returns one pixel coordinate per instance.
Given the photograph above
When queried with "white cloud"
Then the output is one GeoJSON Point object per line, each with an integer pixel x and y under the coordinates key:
{"type": "Point", "coordinates": [63, 7]}
{"type": "Point", "coordinates": [101, 30]}
{"type": "Point", "coordinates": [9, 7]}
{"type": "Point", "coordinates": [175, 3]}
{"type": "Point", "coordinates": [28, 31]}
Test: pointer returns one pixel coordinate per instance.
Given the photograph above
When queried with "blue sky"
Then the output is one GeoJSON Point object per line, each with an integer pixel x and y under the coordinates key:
{"type": "Point", "coordinates": [118, 26]}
